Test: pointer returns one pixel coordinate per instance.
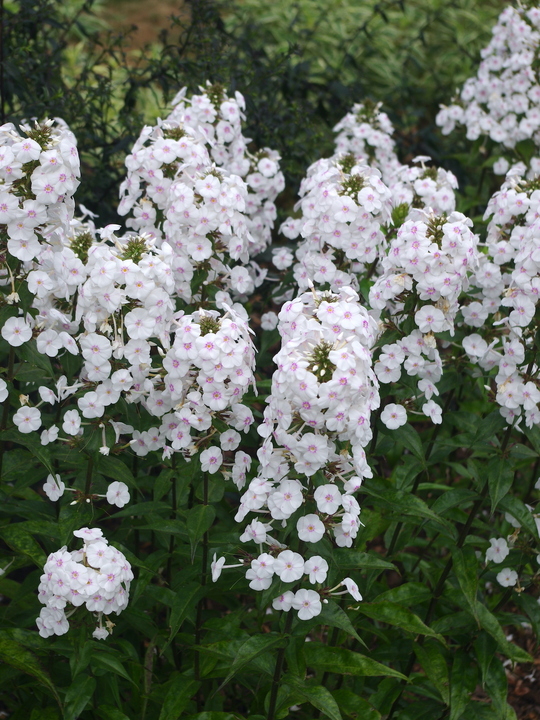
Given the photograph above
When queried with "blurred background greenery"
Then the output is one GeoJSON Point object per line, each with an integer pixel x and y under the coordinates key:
{"type": "Point", "coordinates": [109, 66]}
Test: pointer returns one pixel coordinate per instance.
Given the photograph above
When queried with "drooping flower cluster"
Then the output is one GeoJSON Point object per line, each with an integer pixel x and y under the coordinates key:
{"type": "Point", "coordinates": [98, 576]}
{"type": "Point", "coordinates": [503, 100]}
{"type": "Point", "coordinates": [315, 429]}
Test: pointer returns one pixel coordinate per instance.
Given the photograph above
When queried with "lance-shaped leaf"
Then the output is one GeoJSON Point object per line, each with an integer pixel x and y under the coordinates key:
{"type": "Point", "coordinates": [346, 662]}
{"type": "Point", "coordinates": [394, 614]}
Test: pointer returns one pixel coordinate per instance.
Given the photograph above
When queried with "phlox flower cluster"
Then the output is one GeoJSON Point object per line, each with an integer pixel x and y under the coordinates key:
{"type": "Point", "coordinates": [429, 260]}
{"type": "Point", "coordinates": [203, 365]}
{"type": "Point", "coordinates": [507, 283]}
{"type": "Point", "coordinates": [420, 186]}
{"type": "Point", "coordinates": [192, 183]}
{"type": "Point", "coordinates": [366, 133]}
{"type": "Point", "coordinates": [503, 100]}
{"type": "Point", "coordinates": [216, 119]}
{"type": "Point", "coordinates": [98, 576]}
{"type": "Point", "coordinates": [312, 460]}
{"type": "Point", "coordinates": [343, 205]}
{"type": "Point", "coordinates": [113, 300]}
{"type": "Point", "coordinates": [349, 213]}
{"type": "Point", "coordinates": [39, 170]}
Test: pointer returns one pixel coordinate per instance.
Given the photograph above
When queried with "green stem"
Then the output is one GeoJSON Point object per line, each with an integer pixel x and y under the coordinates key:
{"type": "Point", "coordinates": [278, 670]}
{"type": "Point", "coordinates": [5, 410]}
{"type": "Point", "coordinates": [88, 483]}
{"type": "Point", "coordinates": [200, 605]}
{"type": "Point", "coordinates": [174, 512]}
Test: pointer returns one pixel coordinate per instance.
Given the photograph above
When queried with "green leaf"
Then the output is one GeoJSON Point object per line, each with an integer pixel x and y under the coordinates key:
{"type": "Point", "coordinates": [12, 653]}
{"type": "Point", "coordinates": [31, 355]}
{"type": "Point", "coordinates": [459, 697]}
{"type": "Point", "coordinates": [116, 469]}
{"type": "Point", "coordinates": [22, 542]}
{"type": "Point", "coordinates": [334, 616]}
{"type": "Point", "coordinates": [108, 712]}
{"type": "Point", "coordinates": [31, 442]}
{"type": "Point", "coordinates": [180, 690]}
{"type": "Point", "coordinates": [497, 688]}
{"type": "Point", "coordinates": [409, 438]}
{"type": "Point", "coordinates": [182, 603]}
{"type": "Point", "coordinates": [394, 614]}
{"type": "Point", "coordinates": [500, 477]}
{"type": "Point", "coordinates": [465, 566]}
{"type": "Point", "coordinates": [403, 503]}
{"type": "Point", "coordinates": [78, 696]}
{"type": "Point", "coordinates": [515, 507]}
{"type": "Point", "coordinates": [489, 622]}
{"type": "Point", "coordinates": [346, 662]}
{"type": "Point", "coordinates": [252, 648]}
{"type": "Point", "coordinates": [485, 648]}
{"type": "Point", "coordinates": [199, 521]}
{"type": "Point", "coordinates": [318, 696]}
{"type": "Point", "coordinates": [108, 662]}
{"type": "Point", "coordinates": [489, 427]}
{"type": "Point", "coordinates": [352, 704]}
{"type": "Point", "coordinates": [346, 558]}
{"type": "Point", "coordinates": [431, 659]}
{"type": "Point", "coordinates": [407, 594]}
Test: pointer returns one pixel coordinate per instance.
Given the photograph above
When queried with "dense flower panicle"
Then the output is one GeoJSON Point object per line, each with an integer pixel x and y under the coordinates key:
{"type": "Point", "coordinates": [433, 256]}
{"type": "Point", "coordinates": [424, 187]}
{"type": "Point", "coordinates": [316, 426]}
{"type": "Point", "coordinates": [507, 285]}
{"type": "Point", "coordinates": [366, 132]}
{"type": "Point", "coordinates": [39, 171]}
{"type": "Point", "coordinates": [98, 576]}
{"type": "Point", "coordinates": [121, 304]}
{"type": "Point", "coordinates": [343, 208]}
{"type": "Point", "coordinates": [349, 214]}
{"type": "Point", "coordinates": [503, 100]}
{"type": "Point", "coordinates": [193, 184]}
{"type": "Point", "coordinates": [429, 260]}
{"type": "Point", "coordinates": [216, 120]}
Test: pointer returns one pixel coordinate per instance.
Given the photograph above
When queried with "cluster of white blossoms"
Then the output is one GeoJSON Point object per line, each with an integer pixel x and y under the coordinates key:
{"type": "Point", "coordinates": [420, 186]}
{"type": "Point", "coordinates": [349, 212]}
{"type": "Point", "coordinates": [197, 209]}
{"type": "Point", "coordinates": [507, 287]}
{"type": "Point", "coordinates": [38, 176]}
{"type": "Point", "coordinates": [39, 173]}
{"type": "Point", "coordinates": [432, 256]}
{"type": "Point", "coordinates": [365, 135]}
{"type": "Point", "coordinates": [316, 426]}
{"type": "Point", "coordinates": [343, 206]}
{"type": "Point", "coordinates": [425, 271]}
{"type": "Point", "coordinates": [366, 132]}
{"type": "Point", "coordinates": [192, 184]}
{"type": "Point", "coordinates": [97, 576]}
{"type": "Point", "coordinates": [503, 100]}
{"type": "Point", "coordinates": [216, 119]}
